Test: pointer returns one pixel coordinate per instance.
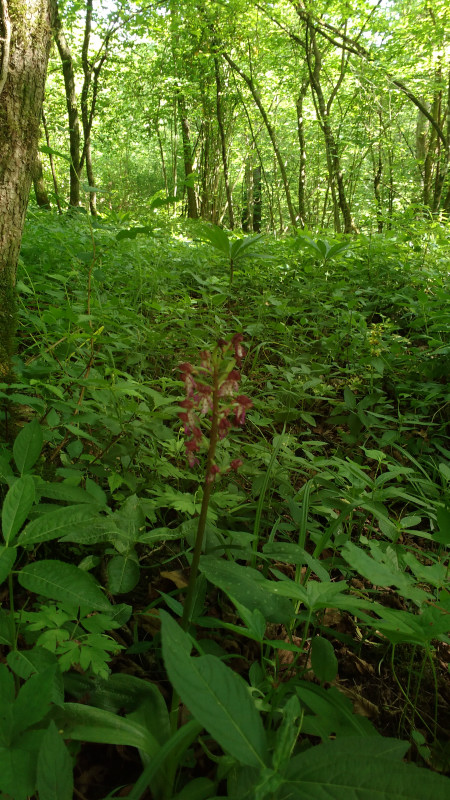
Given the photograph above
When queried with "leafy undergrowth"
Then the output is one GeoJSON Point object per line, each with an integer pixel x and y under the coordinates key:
{"type": "Point", "coordinates": [320, 610]}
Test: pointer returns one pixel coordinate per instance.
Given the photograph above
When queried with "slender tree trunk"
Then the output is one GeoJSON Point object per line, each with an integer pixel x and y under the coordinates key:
{"type": "Point", "coordinates": [443, 166]}
{"type": "Point", "coordinates": [302, 145]}
{"type": "Point", "coordinates": [71, 103]}
{"type": "Point", "coordinates": [331, 147]}
{"type": "Point", "coordinates": [223, 142]}
{"type": "Point", "coordinates": [52, 163]}
{"type": "Point", "coordinates": [25, 34]}
{"type": "Point", "coordinates": [40, 191]}
{"type": "Point", "coordinates": [257, 98]}
{"type": "Point", "coordinates": [187, 157]}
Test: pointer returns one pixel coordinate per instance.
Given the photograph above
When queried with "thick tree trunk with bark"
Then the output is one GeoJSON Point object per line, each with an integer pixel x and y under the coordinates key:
{"type": "Point", "coordinates": [23, 67]}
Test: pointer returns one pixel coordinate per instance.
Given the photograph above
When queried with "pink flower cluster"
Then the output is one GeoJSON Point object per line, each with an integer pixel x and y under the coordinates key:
{"type": "Point", "coordinates": [211, 389]}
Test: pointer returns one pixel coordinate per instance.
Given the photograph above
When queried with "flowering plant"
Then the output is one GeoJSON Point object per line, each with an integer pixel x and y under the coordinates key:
{"type": "Point", "coordinates": [211, 392]}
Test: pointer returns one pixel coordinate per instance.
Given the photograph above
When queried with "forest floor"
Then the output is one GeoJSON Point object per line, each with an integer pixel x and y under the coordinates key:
{"type": "Point", "coordinates": [343, 492]}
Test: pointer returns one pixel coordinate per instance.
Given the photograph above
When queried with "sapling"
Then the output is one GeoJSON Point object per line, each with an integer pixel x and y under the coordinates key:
{"type": "Point", "coordinates": [212, 392]}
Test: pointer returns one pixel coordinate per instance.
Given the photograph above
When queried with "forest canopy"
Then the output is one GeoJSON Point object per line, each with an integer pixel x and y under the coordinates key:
{"type": "Point", "coordinates": [333, 114]}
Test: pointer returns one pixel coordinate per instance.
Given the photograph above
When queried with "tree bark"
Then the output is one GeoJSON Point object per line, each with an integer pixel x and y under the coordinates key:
{"type": "Point", "coordinates": [71, 103]}
{"type": "Point", "coordinates": [40, 192]}
{"type": "Point", "coordinates": [24, 68]}
{"type": "Point", "coordinates": [187, 157]}
{"type": "Point", "coordinates": [302, 145]}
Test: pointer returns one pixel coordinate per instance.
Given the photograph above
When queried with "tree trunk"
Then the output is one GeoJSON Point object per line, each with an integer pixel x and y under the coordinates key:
{"type": "Point", "coordinates": [40, 192]}
{"type": "Point", "coordinates": [223, 142]}
{"type": "Point", "coordinates": [302, 145]}
{"type": "Point", "coordinates": [23, 65]}
{"type": "Point", "coordinates": [257, 98]}
{"type": "Point", "coordinates": [323, 109]}
{"type": "Point", "coordinates": [52, 163]}
{"type": "Point", "coordinates": [71, 102]}
{"type": "Point", "coordinates": [187, 158]}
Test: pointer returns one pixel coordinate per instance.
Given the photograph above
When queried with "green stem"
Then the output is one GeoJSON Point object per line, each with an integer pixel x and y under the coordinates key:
{"type": "Point", "coordinates": [207, 488]}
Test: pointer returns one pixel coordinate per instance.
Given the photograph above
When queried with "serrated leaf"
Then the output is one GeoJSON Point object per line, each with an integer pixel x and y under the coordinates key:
{"type": "Point", "coordinates": [27, 446]}
{"type": "Point", "coordinates": [217, 697]}
{"type": "Point", "coordinates": [54, 767]}
{"type": "Point", "coordinates": [60, 581]}
{"type": "Point", "coordinates": [16, 506]}
{"type": "Point", "coordinates": [67, 521]}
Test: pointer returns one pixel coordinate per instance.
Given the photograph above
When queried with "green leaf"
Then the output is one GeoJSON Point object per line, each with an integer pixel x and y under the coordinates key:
{"type": "Point", "coordinates": [332, 713]}
{"type": "Point", "coordinates": [54, 767]}
{"type": "Point", "coordinates": [7, 561]}
{"type": "Point", "coordinates": [323, 659]}
{"type": "Point", "coordinates": [381, 574]}
{"type": "Point", "coordinates": [16, 506]}
{"type": "Point", "coordinates": [175, 747]}
{"type": "Point", "coordinates": [360, 769]}
{"type": "Point", "coordinates": [67, 521]}
{"type": "Point", "coordinates": [217, 697]}
{"type": "Point", "coordinates": [198, 789]}
{"type": "Point", "coordinates": [248, 587]}
{"type": "Point", "coordinates": [217, 237]}
{"type": "Point", "coordinates": [51, 152]}
{"type": "Point", "coordinates": [131, 233]}
{"type": "Point", "coordinates": [27, 446]}
{"type": "Point", "coordinates": [123, 573]}
{"type": "Point", "coordinates": [60, 581]}
{"type": "Point", "coordinates": [18, 766]}
{"type": "Point", "coordinates": [88, 724]}
{"type": "Point", "coordinates": [33, 701]}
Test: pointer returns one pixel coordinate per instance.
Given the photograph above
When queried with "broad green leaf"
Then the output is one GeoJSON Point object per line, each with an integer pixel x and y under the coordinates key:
{"type": "Point", "coordinates": [60, 581]}
{"type": "Point", "coordinates": [217, 697]}
{"type": "Point", "coordinates": [381, 574]}
{"type": "Point", "coordinates": [7, 561]}
{"type": "Point", "coordinates": [28, 662]}
{"type": "Point", "coordinates": [88, 724]}
{"type": "Point", "coordinates": [291, 553]}
{"type": "Point", "coordinates": [323, 659]}
{"type": "Point", "coordinates": [27, 446]}
{"type": "Point", "coordinates": [33, 701]}
{"type": "Point", "coordinates": [123, 573]}
{"type": "Point", "coordinates": [248, 587]}
{"type": "Point", "coordinates": [54, 767]}
{"type": "Point", "coordinates": [18, 766]}
{"type": "Point", "coordinates": [67, 521]}
{"type": "Point", "coordinates": [16, 507]}
{"type": "Point", "coordinates": [360, 769]}
{"type": "Point", "coordinates": [217, 237]}
{"type": "Point", "coordinates": [332, 713]}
